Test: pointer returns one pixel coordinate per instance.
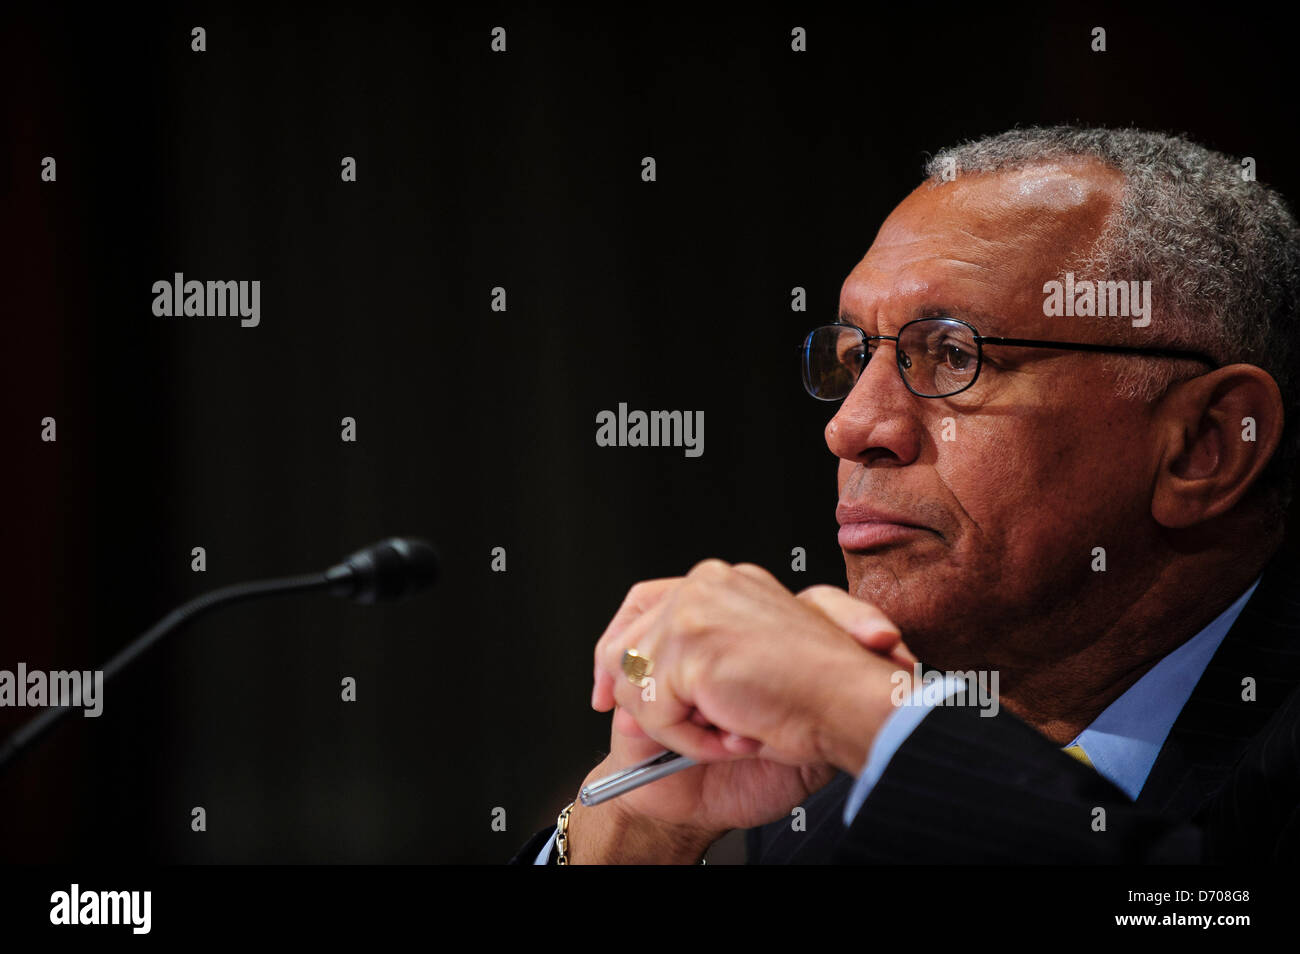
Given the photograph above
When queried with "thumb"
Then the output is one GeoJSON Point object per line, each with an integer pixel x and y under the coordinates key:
{"type": "Point", "coordinates": [864, 621]}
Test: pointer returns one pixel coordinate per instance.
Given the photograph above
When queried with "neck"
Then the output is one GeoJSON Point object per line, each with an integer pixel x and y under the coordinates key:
{"type": "Point", "coordinates": [1122, 638]}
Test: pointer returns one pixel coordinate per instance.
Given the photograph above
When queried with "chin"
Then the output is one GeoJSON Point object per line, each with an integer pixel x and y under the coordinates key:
{"type": "Point", "coordinates": [934, 627]}
{"type": "Point", "coordinates": [890, 578]}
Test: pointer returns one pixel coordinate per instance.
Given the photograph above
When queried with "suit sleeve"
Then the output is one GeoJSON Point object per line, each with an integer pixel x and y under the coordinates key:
{"type": "Point", "coordinates": [968, 788]}
{"type": "Point", "coordinates": [528, 853]}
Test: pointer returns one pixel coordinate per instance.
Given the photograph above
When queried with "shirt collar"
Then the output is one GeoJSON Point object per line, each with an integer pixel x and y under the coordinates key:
{"type": "Point", "coordinates": [1124, 740]}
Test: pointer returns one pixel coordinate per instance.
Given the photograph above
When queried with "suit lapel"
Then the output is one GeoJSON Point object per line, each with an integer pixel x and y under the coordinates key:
{"type": "Point", "coordinates": [1217, 724]}
{"type": "Point", "coordinates": [1207, 738]}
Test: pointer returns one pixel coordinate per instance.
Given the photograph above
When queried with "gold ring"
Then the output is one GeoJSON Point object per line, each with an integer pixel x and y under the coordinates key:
{"type": "Point", "coordinates": [636, 667]}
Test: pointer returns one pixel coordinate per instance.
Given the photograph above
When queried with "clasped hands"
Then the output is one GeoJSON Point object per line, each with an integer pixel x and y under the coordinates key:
{"type": "Point", "coordinates": [743, 668]}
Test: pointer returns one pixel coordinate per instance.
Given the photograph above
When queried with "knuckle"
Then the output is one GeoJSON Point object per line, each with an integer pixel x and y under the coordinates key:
{"type": "Point", "coordinates": [634, 594]}
{"type": "Point", "coordinates": [712, 569]}
{"type": "Point", "coordinates": [756, 572]}
{"type": "Point", "coordinates": [689, 616]}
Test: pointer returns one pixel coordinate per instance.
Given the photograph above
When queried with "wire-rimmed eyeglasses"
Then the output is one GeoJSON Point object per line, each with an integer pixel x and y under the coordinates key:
{"type": "Point", "coordinates": [937, 357]}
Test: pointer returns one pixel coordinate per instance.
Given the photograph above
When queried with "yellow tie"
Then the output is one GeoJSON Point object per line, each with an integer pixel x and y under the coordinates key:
{"type": "Point", "coordinates": [1076, 750]}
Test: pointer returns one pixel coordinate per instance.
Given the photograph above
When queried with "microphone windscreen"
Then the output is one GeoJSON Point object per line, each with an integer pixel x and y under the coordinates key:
{"type": "Point", "coordinates": [389, 570]}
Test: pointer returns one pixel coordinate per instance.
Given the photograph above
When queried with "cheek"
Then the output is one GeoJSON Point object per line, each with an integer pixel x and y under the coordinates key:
{"type": "Point", "coordinates": [1050, 480]}
{"type": "Point", "coordinates": [990, 470]}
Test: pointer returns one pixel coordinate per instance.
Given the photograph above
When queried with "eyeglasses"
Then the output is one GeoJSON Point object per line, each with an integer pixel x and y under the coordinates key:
{"type": "Point", "coordinates": [937, 357]}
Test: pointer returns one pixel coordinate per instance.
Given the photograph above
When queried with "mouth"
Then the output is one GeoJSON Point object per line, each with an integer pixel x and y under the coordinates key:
{"type": "Point", "coordinates": [863, 528]}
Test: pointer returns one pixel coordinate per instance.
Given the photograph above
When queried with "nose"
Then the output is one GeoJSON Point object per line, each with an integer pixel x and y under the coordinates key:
{"type": "Point", "coordinates": [879, 420]}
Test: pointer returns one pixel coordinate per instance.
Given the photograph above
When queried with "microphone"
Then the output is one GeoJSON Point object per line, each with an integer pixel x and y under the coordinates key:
{"type": "Point", "coordinates": [389, 570]}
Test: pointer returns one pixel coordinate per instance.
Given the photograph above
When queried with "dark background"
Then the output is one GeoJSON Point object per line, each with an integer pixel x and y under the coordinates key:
{"type": "Point", "coordinates": [476, 429]}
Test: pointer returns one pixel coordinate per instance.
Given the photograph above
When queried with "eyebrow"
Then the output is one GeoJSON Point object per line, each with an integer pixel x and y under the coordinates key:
{"type": "Point", "coordinates": [987, 324]}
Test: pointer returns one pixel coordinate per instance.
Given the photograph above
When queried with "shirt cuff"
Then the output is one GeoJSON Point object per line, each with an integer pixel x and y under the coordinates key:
{"type": "Point", "coordinates": [901, 723]}
{"type": "Point", "coordinates": [544, 858]}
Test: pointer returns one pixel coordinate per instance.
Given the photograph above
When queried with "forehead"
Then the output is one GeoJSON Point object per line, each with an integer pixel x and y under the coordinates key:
{"type": "Point", "coordinates": [984, 244]}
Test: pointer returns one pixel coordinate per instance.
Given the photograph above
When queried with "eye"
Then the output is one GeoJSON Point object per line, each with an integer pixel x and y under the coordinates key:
{"type": "Point", "coordinates": [854, 355]}
{"type": "Point", "coordinates": [956, 357]}
{"type": "Point", "coordinates": [952, 353]}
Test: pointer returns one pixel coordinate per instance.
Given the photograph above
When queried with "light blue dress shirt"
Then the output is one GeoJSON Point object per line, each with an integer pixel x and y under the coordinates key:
{"type": "Point", "coordinates": [1122, 742]}
{"type": "Point", "coordinates": [544, 857]}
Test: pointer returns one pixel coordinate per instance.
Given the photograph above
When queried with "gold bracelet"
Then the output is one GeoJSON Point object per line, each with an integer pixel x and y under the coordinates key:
{"type": "Point", "coordinates": [562, 836]}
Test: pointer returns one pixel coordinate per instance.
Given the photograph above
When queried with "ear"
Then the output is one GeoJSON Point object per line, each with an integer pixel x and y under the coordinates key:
{"type": "Point", "coordinates": [1219, 431]}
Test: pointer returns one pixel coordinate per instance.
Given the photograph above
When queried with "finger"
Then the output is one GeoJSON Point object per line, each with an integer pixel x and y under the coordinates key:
{"type": "Point", "coordinates": [865, 622]}
{"type": "Point", "coordinates": [756, 572]}
{"type": "Point", "coordinates": [903, 656]}
{"type": "Point", "coordinates": [701, 743]}
{"type": "Point", "coordinates": [739, 745]}
{"type": "Point", "coordinates": [657, 708]}
{"type": "Point", "coordinates": [624, 724]}
{"type": "Point", "coordinates": [639, 600]}
{"type": "Point", "coordinates": [609, 659]}
{"type": "Point", "coordinates": [670, 721]}
{"type": "Point", "coordinates": [693, 741]}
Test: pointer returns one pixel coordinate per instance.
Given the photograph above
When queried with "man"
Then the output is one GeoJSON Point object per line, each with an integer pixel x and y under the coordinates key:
{"type": "Point", "coordinates": [1074, 495]}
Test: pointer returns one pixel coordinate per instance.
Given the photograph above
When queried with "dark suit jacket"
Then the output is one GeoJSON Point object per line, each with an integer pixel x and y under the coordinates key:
{"type": "Point", "coordinates": [968, 789]}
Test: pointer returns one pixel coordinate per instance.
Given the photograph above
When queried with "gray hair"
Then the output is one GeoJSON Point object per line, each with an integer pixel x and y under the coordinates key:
{"type": "Point", "coordinates": [1222, 254]}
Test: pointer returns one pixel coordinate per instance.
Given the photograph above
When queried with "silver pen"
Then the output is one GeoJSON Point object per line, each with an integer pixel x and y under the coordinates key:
{"type": "Point", "coordinates": [634, 776]}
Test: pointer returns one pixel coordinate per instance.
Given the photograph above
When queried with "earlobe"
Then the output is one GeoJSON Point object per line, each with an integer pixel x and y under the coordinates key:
{"type": "Point", "coordinates": [1221, 429]}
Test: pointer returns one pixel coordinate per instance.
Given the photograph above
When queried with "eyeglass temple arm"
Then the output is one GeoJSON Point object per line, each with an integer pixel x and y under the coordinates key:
{"type": "Point", "coordinates": [1073, 346]}
{"type": "Point", "coordinates": [1103, 348]}
{"type": "Point", "coordinates": [865, 337]}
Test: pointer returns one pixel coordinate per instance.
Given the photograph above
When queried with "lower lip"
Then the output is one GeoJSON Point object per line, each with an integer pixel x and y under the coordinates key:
{"type": "Point", "coordinates": [865, 536]}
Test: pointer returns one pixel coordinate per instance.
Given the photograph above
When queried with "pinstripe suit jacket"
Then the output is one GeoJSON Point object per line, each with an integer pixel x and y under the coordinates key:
{"type": "Point", "coordinates": [968, 789]}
